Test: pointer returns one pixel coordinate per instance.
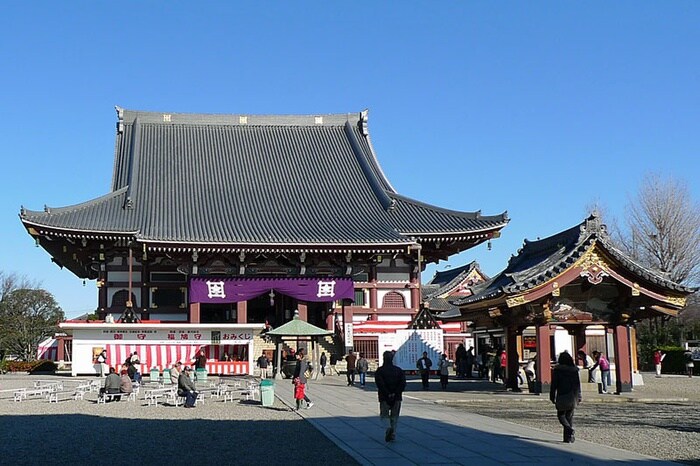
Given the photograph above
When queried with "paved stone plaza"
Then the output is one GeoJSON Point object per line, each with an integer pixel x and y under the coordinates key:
{"type": "Point", "coordinates": [471, 423]}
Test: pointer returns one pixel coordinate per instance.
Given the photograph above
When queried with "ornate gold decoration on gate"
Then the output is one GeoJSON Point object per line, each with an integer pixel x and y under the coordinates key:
{"type": "Point", "coordinates": [515, 301]}
{"type": "Point", "coordinates": [593, 267]}
{"type": "Point", "coordinates": [680, 302]}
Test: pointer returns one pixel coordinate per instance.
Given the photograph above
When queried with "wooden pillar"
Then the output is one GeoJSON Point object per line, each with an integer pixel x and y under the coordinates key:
{"type": "Point", "coordinates": [60, 349]}
{"type": "Point", "coordinates": [145, 290]}
{"type": "Point", "coordinates": [102, 303]}
{"type": "Point", "coordinates": [623, 368]}
{"type": "Point", "coordinates": [303, 309]}
{"type": "Point", "coordinates": [242, 312]}
{"type": "Point", "coordinates": [373, 304]}
{"type": "Point", "coordinates": [330, 321]}
{"type": "Point", "coordinates": [278, 370]}
{"type": "Point", "coordinates": [512, 358]}
{"type": "Point", "coordinates": [543, 359]}
{"type": "Point", "coordinates": [580, 341]}
{"type": "Point", "coordinates": [194, 313]}
{"type": "Point", "coordinates": [415, 292]}
{"type": "Point", "coordinates": [633, 350]}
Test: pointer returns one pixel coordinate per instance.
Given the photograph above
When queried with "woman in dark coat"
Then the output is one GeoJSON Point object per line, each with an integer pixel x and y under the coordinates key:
{"type": "Point", "coordinates": [565, 393]}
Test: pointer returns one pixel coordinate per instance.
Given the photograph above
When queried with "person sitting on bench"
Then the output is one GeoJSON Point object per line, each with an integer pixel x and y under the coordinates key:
{"type": "Point", "coordinates": [186, 388]}
{"type": "Point", "coordinates": [112, 384]}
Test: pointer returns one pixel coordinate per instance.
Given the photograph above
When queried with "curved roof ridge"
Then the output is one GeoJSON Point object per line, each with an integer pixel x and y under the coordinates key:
{"type": "Point", "coordinates": [373, 159]}
{"type": "Point", "coordinates": [473, 215]}
{"type": "Point", "coordinates": [452, 271]}
{"type": "Point", "coordinates": [26, 213]}
{"type": "Point", "coordinates": [544, 259]}
{"type": "Point", "coordinates": [647, 273]}
{"type": "Point", "coordinates": [173, 118]}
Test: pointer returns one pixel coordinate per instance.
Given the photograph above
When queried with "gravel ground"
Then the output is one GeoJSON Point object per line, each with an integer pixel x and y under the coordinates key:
{"type": "Point", "coordinates": [666, 430]}
{"type": "Point", "coordinates": [83, 432]}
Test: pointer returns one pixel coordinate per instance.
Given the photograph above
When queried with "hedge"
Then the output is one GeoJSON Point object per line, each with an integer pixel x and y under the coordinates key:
{"type": "Point", "coordinates": [674, 362]}
{"type": "Point", "coordinates": [27, 366]}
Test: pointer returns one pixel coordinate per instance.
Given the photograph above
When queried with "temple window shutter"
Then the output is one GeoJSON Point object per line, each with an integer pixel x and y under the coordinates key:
{"type": "Point", "coordinates": [121, 297]}
{"type": "Point", "coordinates": [393, 300]}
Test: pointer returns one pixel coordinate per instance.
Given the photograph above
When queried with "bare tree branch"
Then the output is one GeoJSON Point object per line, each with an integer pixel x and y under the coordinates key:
{"type": "Point", "coordinates": [663, 225]}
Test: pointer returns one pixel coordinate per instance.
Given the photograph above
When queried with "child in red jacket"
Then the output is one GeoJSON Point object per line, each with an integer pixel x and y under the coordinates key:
{"type": "Point", "coordinates": [299, 391]}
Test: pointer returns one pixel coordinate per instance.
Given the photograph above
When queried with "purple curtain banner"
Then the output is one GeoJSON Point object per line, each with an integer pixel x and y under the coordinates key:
{"type": "Point", "coordinates": [232, 290]}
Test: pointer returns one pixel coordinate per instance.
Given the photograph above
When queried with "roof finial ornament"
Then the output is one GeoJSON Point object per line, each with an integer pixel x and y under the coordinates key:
{"type": "Point", "coordinates": [364, 115]}
{"type": "Point", "coordinates": [47, 209]}
{"type": "Point", "coordinates": [120, 119]}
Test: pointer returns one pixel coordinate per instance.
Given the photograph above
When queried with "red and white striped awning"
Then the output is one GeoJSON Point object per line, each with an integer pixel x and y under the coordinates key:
{"type": "Point", "coordinates": [48, 349]}
{"type": "Point", "coordinates": [164, 356]}
{"type": "Point", "coordinates": [389, 326]}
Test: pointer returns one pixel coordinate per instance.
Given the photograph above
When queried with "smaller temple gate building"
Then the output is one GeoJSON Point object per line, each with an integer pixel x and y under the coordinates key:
{"type": "Point", "coordinates": [576, 281]}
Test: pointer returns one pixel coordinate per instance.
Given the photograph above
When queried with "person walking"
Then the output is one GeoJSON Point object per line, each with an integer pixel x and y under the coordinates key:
{"type": "Point", "coordinates": [423, 365]}
{"type": "Point", "coordinates": [588, 362]}
{"type": "Point", "coordinates": [362, 367]}
{"type": "Point", "coordinates": [300, 378]}
{"type": "Point", "coordinates": [102, 364]}
{"type": "Point", "coordinates": [351, 359]}
{"type": "Point", "coordinates": [658, 358]}
{"type": "Point", "coordinates": [334, 361]}
{"type": "Point", "coordinates": [689, 364]}
{"type": "Point", "coordinates": [323, 360]}
{"type": "Point", "coordinates": [503, 365]}
{"type": "Point", "coordinates": [461, 361]}
{"type": "Point", "coordinates": [443, 369]}
{"type": "Point", "coordinates": [530, 371]}
{"type": "Point", "coordinates": [469, 363]}
{"type": "Point", "coordinates": [391, 382]}
{"type": "Point", "coordinates": [602, 363]}
{"type": "Point", "coordinates": [200, 361]}
{"type": "Point", "coordinates": [263, 364]}
{"type": "Point", "coordinates": [565, 393]}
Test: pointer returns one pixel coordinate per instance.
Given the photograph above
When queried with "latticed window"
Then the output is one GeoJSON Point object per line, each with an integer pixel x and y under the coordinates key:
{"type": "Point", "coordinates": [359, 298]}
{"type": "Point", "coordinates": [369, 347]}
{"type": "Point", "coordinates": [393, 299]}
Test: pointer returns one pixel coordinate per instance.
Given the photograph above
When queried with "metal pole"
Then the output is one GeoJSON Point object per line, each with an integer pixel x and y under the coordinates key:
{"type": "Point", "coordinates": [131, 276]}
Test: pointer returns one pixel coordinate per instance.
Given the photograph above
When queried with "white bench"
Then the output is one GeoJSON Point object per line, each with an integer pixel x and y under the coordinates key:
{"type": "Point", "coordinates": [151, 396]}
{"type": "Point", "coordinates": [23, 393]}
{"type": "Point", "coordinates": [177, 400]}
{"type": "Point", "coordinates": [103, 397]}
{"type": "Point", "coordinates": [55, 397]}
{"type": "Point", "coordinates": [232, 394]}
{"type": "Point", "coordinates": [48, 384]}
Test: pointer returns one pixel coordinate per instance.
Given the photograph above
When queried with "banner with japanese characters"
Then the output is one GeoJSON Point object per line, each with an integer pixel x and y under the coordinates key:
{"type": "Point", "coordinates": [233, 290]}
{"type": "Point", "coordinates": [150, 336]}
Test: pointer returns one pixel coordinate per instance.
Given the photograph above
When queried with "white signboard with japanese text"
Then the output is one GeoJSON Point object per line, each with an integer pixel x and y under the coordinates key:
{"type": "Point", "coordinates": [410, 345]}
{"type": "Point", "coordinates": [348, 335]}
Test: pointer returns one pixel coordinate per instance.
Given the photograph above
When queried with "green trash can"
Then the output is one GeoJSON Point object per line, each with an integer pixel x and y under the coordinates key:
{"type": "Point", "coordinates": [200, 375]}
{"type": "Point", "coordinates": [267, 392]}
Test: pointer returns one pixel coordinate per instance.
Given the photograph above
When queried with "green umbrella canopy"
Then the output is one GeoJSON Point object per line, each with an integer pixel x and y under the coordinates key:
{"type": "Point", "coordinates": [298, 328]}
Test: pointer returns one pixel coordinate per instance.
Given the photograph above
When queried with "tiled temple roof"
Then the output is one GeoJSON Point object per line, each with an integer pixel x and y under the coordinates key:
{"type": "Point", "coordinates": [539, 261]}
{"type": "Point", "coordinates": [254, 180]}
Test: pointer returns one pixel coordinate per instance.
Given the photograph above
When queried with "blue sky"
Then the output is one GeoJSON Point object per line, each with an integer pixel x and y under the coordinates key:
{"type": "Point", "coordinates": [537, 108]}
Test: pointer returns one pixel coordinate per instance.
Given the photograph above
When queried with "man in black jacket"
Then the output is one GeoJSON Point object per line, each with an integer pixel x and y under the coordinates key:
{"type": "Point", "coordinates": [391, 382]}
{"type": "Point", "coordinates": [186, 388]}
